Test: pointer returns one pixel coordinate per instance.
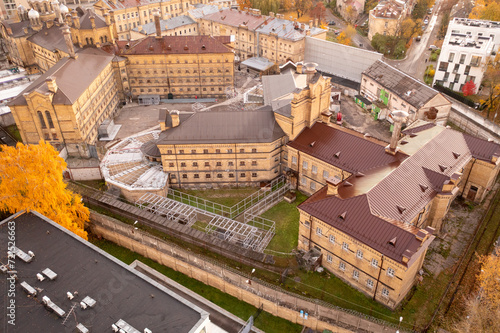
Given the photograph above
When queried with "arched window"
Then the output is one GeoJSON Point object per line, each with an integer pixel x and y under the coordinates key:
{"type": "Point", "coordinates": [102, 40]}
{"type": "Point", "coordinates": [87, 40]}
{"type": "Point", "coordinates": [49, 119]}
{"type": "Point", "coordinates": [91, 40]}
{"type": "Point", "coordinates": [106, 39]}
{"type": "Point", "coordinates": [42, 121]}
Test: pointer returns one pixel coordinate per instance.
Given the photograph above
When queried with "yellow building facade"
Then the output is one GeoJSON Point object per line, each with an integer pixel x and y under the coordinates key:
{"type": "Point", "coordinates": [66, 111]}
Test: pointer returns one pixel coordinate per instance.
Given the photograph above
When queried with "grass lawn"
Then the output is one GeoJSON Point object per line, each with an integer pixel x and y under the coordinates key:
{"type": "Point", "coordinates": [226, 197]}
{"type": "Point", "coordinates": [14, 132]}
{"type": "Point", "coordinates": [99, 184]}
{"type": "Point", "coordinates": [286, 217]}
{"type": "Point", "coordinates": [265, 321]}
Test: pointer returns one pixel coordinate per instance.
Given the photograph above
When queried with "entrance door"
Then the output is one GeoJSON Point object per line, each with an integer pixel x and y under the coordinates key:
{"type": "Point", "coordinates": [471, 195]}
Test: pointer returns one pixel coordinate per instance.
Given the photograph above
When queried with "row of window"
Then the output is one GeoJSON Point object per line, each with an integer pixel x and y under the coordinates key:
{"type": "Point", "coordinates": [205, 151]}
{"type": "Point", "coordinates": [165, 90]}
{"type": "Point", "coordinates": [207, 164]}
{"type": "Point", "coordinates": [177, 61]}
{"type": "Point", "coordinates": [172, 81]}
{"type": "Point", "coordinates": [208, 175]}
{"type": "Point", "coordinates": [150, 11]}
{"type": "Point", "coordinates": [359, 253]}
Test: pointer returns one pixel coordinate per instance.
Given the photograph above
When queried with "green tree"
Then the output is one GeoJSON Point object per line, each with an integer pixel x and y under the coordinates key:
{"type": "Point", "coordinates": [31, 179]}
{"type": "Point", "coordinates": [302, 7]}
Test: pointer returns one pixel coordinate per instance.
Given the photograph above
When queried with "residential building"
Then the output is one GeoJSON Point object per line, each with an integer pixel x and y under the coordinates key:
{"type": "Point", "coordinates": [176, 26]}
{"type": "Point", "coordinates": [218, 148]}
{"type": "Point", "coordinates": [374, 224]}
{"type": "Point", "coordinates": [385, 19]}
{"type": "Point", "coordinates": [178, 66]}
{"type": "Point", "coordinates": [390, 89]}
{"type": "Point", "coordinates": [68, 103]}
{"type": "Point", "coordinates": [272, 37]}
{"type": "Point", "coordinates": [350, 10]}
{"type": "Point", "coordinates": [467, 48]}
{"type": "Point", "coordinates": [130, 14]}
{"type": "Point", "coordinates": [9, 9]}
{"type": "Point", "coordinates": [60, 276]}
{"type": "Point", "coordinates": [91, 29]}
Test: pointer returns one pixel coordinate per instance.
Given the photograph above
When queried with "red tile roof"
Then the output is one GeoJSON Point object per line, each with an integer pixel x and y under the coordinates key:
{"type": "Point", "coordinates": [235, 18]}
{"type": "Point", "coordinates": [357, 154]}
{"type": "Point", "coordinates": [360, 224]}
{"type": "Point", "coordinates": [175, 45]}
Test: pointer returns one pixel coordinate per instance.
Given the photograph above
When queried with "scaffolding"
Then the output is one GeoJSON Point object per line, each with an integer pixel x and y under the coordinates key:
{"type": "Point", "coordinates": [170, 209]}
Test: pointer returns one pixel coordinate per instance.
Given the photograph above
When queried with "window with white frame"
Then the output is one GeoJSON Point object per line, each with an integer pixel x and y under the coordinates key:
{"type": "Point", "coordinates": [369, 283]}
{"type": "Point", "coordinates": [385, 292]}
{"type": "Point", "coordinates": [332, 239]}
{"type": "Point", "coordinates": [313, 186]}
{"type": "Point", "coordinates": [325, 174]}
{"type": "Point", "coordinates": [319, 232]}
{"type": "Point", "coordinates": [342, 266]}
{"type": "Point", "coordinates": [304, 165]}
{"type": "Point", "coordinates": [390, 272]}
{"type": "Point", "coordinates": [359, 254]}
{"type": "Point", "coordinates": [374, 262]}
{"type": "Point", "coordinates": [329, 258]}
{"type": "Point", "coordinates": [345, 246]}
{"type": "Point", "coordinates": [314, 169]}
{"type": "Point", "coordinates": [294, 159]}
{"type": "Point", "coordinates": [303, 181]}
{"type": "Point", "coordinates": [355, 274]}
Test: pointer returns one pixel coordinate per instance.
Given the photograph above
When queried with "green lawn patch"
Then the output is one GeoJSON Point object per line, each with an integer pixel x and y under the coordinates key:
{"type": "Point", "coordinates": [286, 217]}
{"type": "Point", "coordinates": [265, 321]}
{"type": "Point", "coordinates": [226, 197]}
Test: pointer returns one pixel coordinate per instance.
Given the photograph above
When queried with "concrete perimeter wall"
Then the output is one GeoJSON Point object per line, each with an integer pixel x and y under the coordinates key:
{"type": "Point", "coordinates": [468, 120]}
{"type": "Point", "coordinates": [337, 59]}
{"type": "Point", "coordinates": [273, 299]}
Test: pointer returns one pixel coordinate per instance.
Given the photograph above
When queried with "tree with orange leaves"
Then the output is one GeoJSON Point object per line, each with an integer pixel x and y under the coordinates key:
{"type": "Point", "coordinates": [31, 179]}
{"type": "Point", "coordinates": [244, 3]}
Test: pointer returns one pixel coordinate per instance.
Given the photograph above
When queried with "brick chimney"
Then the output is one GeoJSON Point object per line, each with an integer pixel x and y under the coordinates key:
{"type": "Point", "coordinates": [299, 68]}
{"type": "Point", "coordinates": [333, 185]}
{"type": "Point", "coordinates": [69, 43]}
{"type": "Point", "coordinates": [156, 15]}
{"type": "Point", "coordinates": [51, 84]}
{"type": "Point", "coordinates": [175, 118]}
{"type": "Point", "coordinates": [325, 117]}
{"type": "Point", "coordinates": [399, 118]}
{"type": "Point", "coordinates": [310, 70]}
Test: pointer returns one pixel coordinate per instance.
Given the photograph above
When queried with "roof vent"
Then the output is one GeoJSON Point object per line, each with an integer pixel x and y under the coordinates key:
{"type": "Point", "coordinates": [423, 187]}
{"type": "Point", "coordinates": [456, 155]}
{"type": "Point", "coordinates": [186, 47]}
{"type": "Point", "coordinates": [360, 174]}
{"type": "Point", "coordinates": [442, 167]}
{"type": "Point", "coordinates": [169, 48]}
{"type": "Point", "coordinates": [203, 47]}
{"type": "Point", "coordinates": [89, 301]}
{"type": "Point", "coordinates": [412, 135]}
{"type": "Point", "coordinates": [312, 143]}
{"type": "Point", "coordinates": [342, 216]}
{"type": "Point", "coordinates": [337, 154]}
{"type": "Point", "coordinates": [127, 46]}
{"type": "Point", "coordinates": [28, 289]}
{"type": "Point", "coordinates": [393, 241]}
{"type": "Point", "coordinates": [49, 273]}
{"type": "Point", "coordinates": [48, 303]}
{"type": "Point", "coordinates": [82, 329]}
{"type": "Point", "coordinates": [346, 184]}
{"type": "Point", "coordinates": [40, 277]}
{"type": "Point", "coordinates": [400, 209]}
{"type": "Point", "coordinates": [403, 142]}
{"type": "Point", "coordinates": [151, 48]}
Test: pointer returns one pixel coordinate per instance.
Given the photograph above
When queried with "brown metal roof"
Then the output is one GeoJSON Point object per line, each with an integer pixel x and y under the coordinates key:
{"type": "Point", "coordinates": [417, 129]}
{"type": "Point", "coordinates": [224, 127]}
{"type": "Point", "coordinates": [403, 186]}
{"type": "Point", "coordinates": [51, 39]}
{"type": "Point", "coordinates": [235, 18]}
{"type": "Point", "coordinates": [86, 24]}
{"type": "Point", "coordinates": [176, 45]}
{"type": "Point", "coordinates": [73, 76]}
{"type": "Point", "coordinates": [357, 154]}
{"type": "Point", "coordinates": [482, 149]}
{"type": "Point", "coordinates": [360, 224]}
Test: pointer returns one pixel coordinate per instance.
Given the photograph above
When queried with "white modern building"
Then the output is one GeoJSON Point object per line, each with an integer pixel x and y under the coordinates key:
{"type": "Point", "coordinates": [467, 47]}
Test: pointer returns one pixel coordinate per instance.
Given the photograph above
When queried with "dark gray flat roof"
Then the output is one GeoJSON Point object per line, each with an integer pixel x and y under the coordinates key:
{"type": "Point", "coordinates": [120, 292]}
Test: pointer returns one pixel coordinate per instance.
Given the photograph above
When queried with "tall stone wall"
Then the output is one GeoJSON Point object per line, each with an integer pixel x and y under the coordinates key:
{"type": "Point", "coordinates": [473, 124]}
{"type": "Point", "coordinates": [258, 293]}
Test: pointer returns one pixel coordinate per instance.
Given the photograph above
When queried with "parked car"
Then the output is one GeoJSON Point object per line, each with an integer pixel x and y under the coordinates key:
{"type": "Point", "coordinates": [433, 47]}
{"type": "Point", "coordinates": [426, 21]}
{"type": "Point", "coordinates": [331, 23]}
{"type": "Point", "coordinates": [337, 32]}
{"type": "Point", "coordinates": [418, 38]}
{"type": "Point", "coordinates": [429, 11]}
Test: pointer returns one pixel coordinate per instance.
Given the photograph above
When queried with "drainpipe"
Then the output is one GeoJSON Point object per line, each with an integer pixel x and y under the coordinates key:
{"type": "Point", "coordinates": [378, 278]}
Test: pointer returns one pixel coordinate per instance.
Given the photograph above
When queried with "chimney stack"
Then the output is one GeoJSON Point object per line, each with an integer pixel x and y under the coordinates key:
{"type": "Point", "coordinates": [333, 185]}
{"type": "Point", "coordinates": [399, 118]}
{"type": "Point", "coordinates": [175, 118]}
{"type": "Point", "coordinates": [76, 20]}
{"type": "Point", "coordinates": [299, 68]}
{"type": "Point", "coordinates": [51, 84]}
{"type": "Point", "coordinates": [69, 42]}
{"type": "Point", "coordinates": [310, 70]}
{"type": "Point", "coordinates": [107, 18]}
{"type": "Point", "coordinates": [325, 116]}
{"type": "Point", "coordinates": [156, 15]}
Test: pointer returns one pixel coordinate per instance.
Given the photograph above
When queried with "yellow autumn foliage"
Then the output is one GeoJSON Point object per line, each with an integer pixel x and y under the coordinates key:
{"type": "Point", "coordinates": [31, 179]}
{"type": "Point", "coordinates": [489, 279]}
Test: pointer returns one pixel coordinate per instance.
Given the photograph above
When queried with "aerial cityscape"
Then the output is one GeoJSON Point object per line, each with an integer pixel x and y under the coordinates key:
{"type": "Point", "coordinates": [220, 166]}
